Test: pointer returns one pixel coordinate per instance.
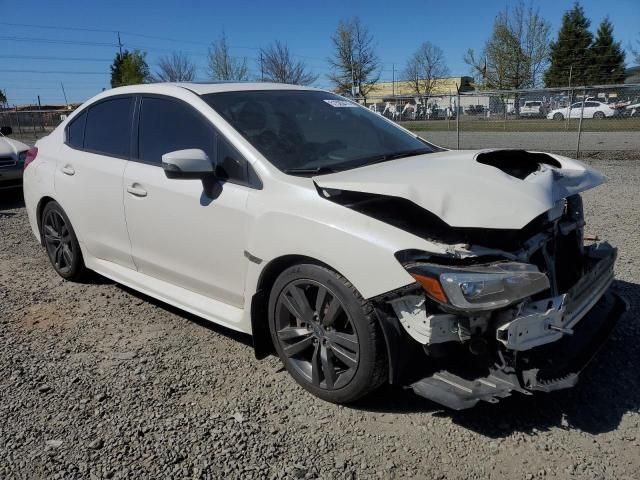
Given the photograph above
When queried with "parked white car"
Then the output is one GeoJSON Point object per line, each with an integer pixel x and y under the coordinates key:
{"type": "Point", "coordinates": [592, 109]}
{"type": "Point", "coordinates": [350, 246]}
{"type": "Point", "coordinates": [12, 156]}
{"type": "Point", "coordinates": [532, 108]}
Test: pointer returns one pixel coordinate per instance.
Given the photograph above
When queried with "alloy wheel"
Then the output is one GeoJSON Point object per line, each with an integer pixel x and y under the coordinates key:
{"type": "Point", "coordinates": [316, 334]}
{"type": "Point", "coordinates": [57, 238]}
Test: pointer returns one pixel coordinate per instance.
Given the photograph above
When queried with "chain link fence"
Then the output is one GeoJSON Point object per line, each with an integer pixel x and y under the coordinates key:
{"type": "Point", "coordinates": [570, 120]}
{"type": "Point", "coordinates": [29, 125]}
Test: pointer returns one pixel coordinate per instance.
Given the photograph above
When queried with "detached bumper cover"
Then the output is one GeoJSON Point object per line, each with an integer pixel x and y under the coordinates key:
{"type": "Point", "coordinates": [550, 367]}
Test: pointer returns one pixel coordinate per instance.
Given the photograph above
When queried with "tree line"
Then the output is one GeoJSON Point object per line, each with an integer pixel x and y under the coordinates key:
{"type": "Point", "coordinates": [519, 53]}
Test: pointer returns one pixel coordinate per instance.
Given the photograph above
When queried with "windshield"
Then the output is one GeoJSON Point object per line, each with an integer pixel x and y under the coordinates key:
{"type": "Point", "coordinates": [308, 132]}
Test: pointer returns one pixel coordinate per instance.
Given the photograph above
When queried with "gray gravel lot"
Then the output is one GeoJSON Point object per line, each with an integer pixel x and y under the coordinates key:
{"type": "Point", "coordinates": [97, 381]}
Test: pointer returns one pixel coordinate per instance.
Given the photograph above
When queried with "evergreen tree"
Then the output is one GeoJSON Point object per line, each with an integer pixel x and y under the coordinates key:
{"type": "Point", "coordinates": [571, 53]}
{"type": "Point", "coordinates": [607, 57]}
{"type": "Point", "coordinates": [129, 68]}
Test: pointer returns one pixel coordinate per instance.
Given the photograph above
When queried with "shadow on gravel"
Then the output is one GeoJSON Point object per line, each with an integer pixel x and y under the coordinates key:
{"type": "Point", "coordinates": [10, 200]}
{"type": "Point", "coordinates": [608, 389]}
{"type": "Point", "coordinates": [219, 329]}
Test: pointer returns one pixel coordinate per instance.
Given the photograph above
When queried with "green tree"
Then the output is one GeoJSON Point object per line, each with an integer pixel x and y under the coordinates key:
{"type": "Point", "coordinates": [571, 52]}
{"type": "Point", "coordinates": [354, 62]}
{"type": "Point", "coordinates": [517, 51]}
{"type": "Point", "coordinates": [129, 68]}
{"type": "Point", "coordinates": [607, 57]}
{"type": "Point", "coordinates": [3, 98]}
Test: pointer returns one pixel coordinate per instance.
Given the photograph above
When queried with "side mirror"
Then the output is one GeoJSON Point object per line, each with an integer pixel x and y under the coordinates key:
{"type": "Point", "coordinates": [6, 131]}
{"type": "Point", "coordinates": [190, 163]}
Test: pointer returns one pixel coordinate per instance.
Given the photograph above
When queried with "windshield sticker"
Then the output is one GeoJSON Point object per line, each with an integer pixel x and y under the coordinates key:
{"type": "Point", "coordinates": [341, 103]}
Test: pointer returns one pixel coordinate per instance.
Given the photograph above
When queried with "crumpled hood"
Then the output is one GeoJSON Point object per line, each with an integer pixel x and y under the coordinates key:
{"type": "Point", "coordinates": [465, 193]}
{"type": "Point", "coordinates": [10, 148]}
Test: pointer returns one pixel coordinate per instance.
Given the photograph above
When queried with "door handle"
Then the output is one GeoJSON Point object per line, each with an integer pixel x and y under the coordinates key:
{"type": "Point", "coordinates": [68, 170]}
{"type": "Point", "coordinates": [137, 191]}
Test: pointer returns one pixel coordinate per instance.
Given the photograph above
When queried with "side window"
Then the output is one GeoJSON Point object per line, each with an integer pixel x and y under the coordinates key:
{"type": "Point", "coordinates": [168, 125]}
{"type": "Point", "coordinates": [592, 104]}
{"type": "Point", "coordinates": [75, 131]}
{"type": "Point", "coordinates": [231, 165]}
{"type": "Point", "coordinates": [108, 127]}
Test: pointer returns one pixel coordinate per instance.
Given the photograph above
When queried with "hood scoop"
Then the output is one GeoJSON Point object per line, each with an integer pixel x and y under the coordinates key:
{"type": "Point", "coordinates": [517, 163]}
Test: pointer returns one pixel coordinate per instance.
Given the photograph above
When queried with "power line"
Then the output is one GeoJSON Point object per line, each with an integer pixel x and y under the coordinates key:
{"type": "Point", "coordinates": [43, 57]}
{"type": "Point", "coordinates": [51, 40]}
{"type": "Point", "coordinates": [66, 72]}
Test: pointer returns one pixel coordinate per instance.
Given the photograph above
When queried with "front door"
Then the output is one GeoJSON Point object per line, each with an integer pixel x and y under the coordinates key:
{"type": "Point", "coordinates": [179, 232]}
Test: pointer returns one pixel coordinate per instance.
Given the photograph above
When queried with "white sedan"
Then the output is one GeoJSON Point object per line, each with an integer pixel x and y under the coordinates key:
{"type": "Point", "coordinates": [592, 109]}
{"type": "Point", "coordinates": [352, 248]}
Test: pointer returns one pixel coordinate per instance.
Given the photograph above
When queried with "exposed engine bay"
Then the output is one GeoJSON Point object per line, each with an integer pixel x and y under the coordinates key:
{"type": "Point", "coordinates": [512, 303]}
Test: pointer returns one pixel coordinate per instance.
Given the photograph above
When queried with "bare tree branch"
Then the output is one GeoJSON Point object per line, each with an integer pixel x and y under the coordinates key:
{"type": "Point", "coordinates": [354, 62]}
{"type": "Point", "coordinates": [279, 66]}
{"type": "Point", "coordinates": [176, 67]}
{"type": "Point", "coordinates": [222, 66]}
{"type": "Point", "coordinates": [426, 68]}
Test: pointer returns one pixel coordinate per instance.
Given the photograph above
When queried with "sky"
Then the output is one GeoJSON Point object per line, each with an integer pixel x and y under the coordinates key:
{"type": "Point", "coordinates": [35, 60]}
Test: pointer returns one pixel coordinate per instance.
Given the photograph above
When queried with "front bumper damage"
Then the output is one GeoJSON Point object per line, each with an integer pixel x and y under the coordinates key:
{"type": "Point", "coordinates": [542, 345]}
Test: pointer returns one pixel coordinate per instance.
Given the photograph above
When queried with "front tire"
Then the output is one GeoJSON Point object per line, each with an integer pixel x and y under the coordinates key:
{"type": "Point", "coordinates": [558, 116]}
{"type": "Point", "coordinates": [326, 334]}
{"type": "Point", "coordinates": [61, 243]}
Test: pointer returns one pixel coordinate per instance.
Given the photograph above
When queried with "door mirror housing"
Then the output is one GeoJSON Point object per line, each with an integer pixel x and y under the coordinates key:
{"type": "Point", "coordinates": [191, 163]}
{"type": "Point", "coordinates": [6, 131]}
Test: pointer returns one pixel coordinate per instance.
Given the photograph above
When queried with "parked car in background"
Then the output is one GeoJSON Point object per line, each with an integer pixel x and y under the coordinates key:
{"type": "Point", "coordinates": [12, 157]}
{"type": "Point", "coordinates": [632, 110]}
{"type": "Point", "coordinates": [357, 251]}
{"type": "Point", "coordinates": [592, 109]}
{"type": "Point", "coordinates": [533, 108]}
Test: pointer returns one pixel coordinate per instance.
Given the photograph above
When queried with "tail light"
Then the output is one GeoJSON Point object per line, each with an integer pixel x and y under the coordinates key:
{"type": "Point", "coordinates": [31, 156]}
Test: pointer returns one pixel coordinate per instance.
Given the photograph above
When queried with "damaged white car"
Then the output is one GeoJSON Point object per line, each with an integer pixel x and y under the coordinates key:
{"type": "Point", "coordinates": [356, 250]}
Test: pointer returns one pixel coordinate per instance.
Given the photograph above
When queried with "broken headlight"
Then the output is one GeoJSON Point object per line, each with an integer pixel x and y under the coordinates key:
{"type": "Point", "coordinates": [479, 287]}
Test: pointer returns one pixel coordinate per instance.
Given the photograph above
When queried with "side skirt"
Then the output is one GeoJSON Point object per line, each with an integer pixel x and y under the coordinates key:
{"type": "Point", "coordinates": [205, 307]}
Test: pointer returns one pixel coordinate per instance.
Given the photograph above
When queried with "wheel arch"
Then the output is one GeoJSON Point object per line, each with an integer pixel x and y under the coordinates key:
{"type": "Point", "coordinates": [39, 209]}
{"type": "Point", "coordinates": [262, 344]}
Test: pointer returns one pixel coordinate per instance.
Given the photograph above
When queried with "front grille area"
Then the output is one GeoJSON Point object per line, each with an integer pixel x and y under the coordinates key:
{"type": "Point", "coordinates": [7, 162]}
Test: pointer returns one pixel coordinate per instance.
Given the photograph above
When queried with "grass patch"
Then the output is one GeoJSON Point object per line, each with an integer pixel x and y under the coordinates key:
{"type": "Point", "coordinates": [525, 125]}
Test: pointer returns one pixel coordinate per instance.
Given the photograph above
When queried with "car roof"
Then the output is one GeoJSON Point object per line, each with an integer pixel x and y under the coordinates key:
{"type": "Point", "coordinates": [202, 88]}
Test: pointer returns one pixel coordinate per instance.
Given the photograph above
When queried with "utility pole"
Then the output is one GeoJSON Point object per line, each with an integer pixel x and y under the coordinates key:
{"type": "Point", "coordinates": [353, 78]}
{"type": "Point", "coordinates": [566, 123]}
{"type": "Point", "coordinates": [66, 102]}
{"type": "Point", "coordinates": [393, 79]}
{"type": "Point", "coordinates": [119, 44]}
{"type": "Point", "coordinates": [261, 69]}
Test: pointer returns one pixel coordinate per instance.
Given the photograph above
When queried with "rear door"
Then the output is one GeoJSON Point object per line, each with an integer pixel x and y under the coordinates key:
{"type": "Point", "coordinates": [88, 177]}
{"type": "Point", "coordinates": [180, 233]}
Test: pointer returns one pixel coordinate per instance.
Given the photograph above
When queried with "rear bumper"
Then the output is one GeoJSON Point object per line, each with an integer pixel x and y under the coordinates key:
{"type": "Point", "coordinates": [546, 368]}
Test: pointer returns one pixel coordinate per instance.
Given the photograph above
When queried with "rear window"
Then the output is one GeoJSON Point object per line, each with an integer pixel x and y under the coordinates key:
{"type": "Point", "coordinates": [108, 127]}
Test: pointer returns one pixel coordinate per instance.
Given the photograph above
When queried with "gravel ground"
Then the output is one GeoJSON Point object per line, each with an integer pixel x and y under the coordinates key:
{"type": "Point", "coordinates": [97, 381]}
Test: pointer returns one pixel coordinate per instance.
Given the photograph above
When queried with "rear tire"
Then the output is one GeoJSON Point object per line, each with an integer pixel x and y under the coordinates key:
{"type": "Point", "coordinates": [598, 115]}
{"type": "Point", "coordinates": [326, 334]}
{"type": "Point", "coordinates": [61, 243]}
{"type": "Point", "coordinates": [558, 116]}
